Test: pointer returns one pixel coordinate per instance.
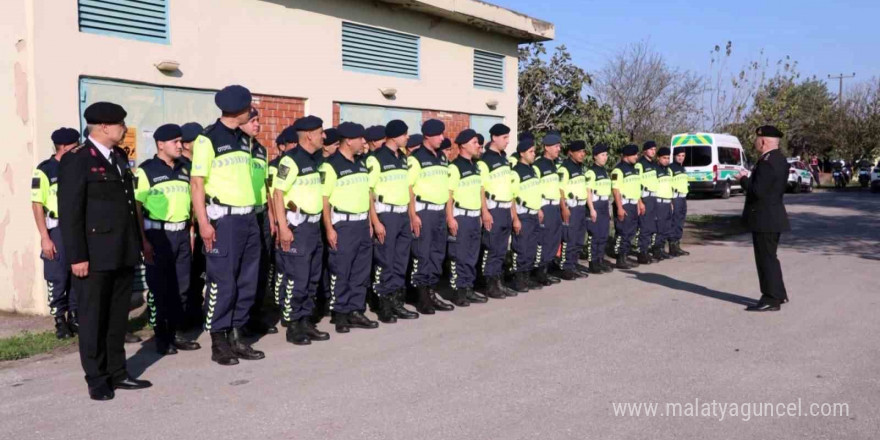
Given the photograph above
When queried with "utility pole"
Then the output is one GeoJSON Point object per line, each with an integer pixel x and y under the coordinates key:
{"type": "Point", "coordinates": [840, 79]}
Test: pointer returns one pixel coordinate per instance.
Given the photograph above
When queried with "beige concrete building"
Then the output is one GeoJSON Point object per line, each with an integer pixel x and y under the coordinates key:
{"type": "Point", "coordinates": [362, 60]}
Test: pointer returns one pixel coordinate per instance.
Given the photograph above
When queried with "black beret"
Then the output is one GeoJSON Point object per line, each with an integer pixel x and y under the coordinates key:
{"type": "Point", "coordinates": [445, 144]}
{"type": "Point", "coordinates": [65, 136]}
{"type": "Point", "coordinates": [648, 145]}
{"type": "Point", "coordinates": [480, 139]}
{"type": "Point", "coordinates": [499, 130]}
{"type": "Point", "coordinates": [308, 123]}
{"type": "Point", "coordinates": [599, 149]}
{"type": "Point", "coordinates": [577, 146]}
{"type": "Point", "coordinates": [288, 135]}
{"type": "Point", "coordinates": [375, 133]}
{"type": "Point", "coordinates": [663, 151]}
{"type": "Point", "coordinates": [768, 131]}
{"type": "Point", "coordinates": [465, 136]}
{"type": "Point", "coordinates": [253, 113]}
{"type": "Point", "coordinates": [630, 150]}
{"type": "Point", "coordinates": [233, 99]}
{"type": "Point", "coordinates": [331, 136]}
{"type": "Point", "coordinates": [414, 140]}
{"type": "Point", "coordinates": [433, 127]}
{"type": "Point", "coordinates": [167, 132]}
{"type": "Point", "coordinates": [104, 113]}
{"type": "Point", "coordinates": [190, 131]}
{"type": "Point", "coordinates": [552, 138]}
{"type": "Point", "coordinates": [350, 130]}
{"type": "Point", "coordinates": [524, 144]}
{"type": "Point", "coordinates": [279, 140]}
{"type": "Point", "coordinates": [396, 128]}
{"type": "Point", "coordinates": [526, 135]}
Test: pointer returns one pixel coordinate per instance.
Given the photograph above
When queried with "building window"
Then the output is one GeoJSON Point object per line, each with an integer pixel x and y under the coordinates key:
{"type": "Point", "coordinates": [488, 70]}
{"type": "Point", "coordinates": [380, 51]}
{"type": "Point", "coordinates": [145, 20]}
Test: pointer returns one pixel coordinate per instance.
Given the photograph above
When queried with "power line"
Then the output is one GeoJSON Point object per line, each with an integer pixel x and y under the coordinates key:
{"type": "Point", "coordinates": [840, 78]}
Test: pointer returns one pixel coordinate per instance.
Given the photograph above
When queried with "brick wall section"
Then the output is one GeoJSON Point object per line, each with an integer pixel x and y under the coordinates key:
{"type": "Point", "coordinates": [455, 122]}
{"type": "Point", "coordinates": [276, 113]}
{"type": "Point", "coordinates": [336, 110]}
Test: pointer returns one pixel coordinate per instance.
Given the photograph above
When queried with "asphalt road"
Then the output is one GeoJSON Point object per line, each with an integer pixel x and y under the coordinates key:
{"type": "Point", "coordinates": [549, 364]}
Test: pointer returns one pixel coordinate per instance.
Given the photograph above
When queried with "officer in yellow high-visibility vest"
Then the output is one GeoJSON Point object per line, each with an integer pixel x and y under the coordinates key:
{"type": "Point", "coordinates": [497, 175]}
{"type": "Point", "coordinates": [346, 216]}
{"type": "Point", "coordinates": [647, 225]}
{"type": "Point", "coordinates": [162, 192]}
{"type": "Point", "coordinates": [598, 194]}
{"type": "Point", "coordinates": [195, 295]}
{"type": "Point", "coordinates": [665, 195]}
{"type": "Point", "coordinates": [680, 188]}
{"type": "Point", "coordinates": [626, 185]}
{"type": "Point", "coordinates": [555, 212]}
{"type": "Point", "coordinates": [526, 217]}
{"type": "Point", "coordinates": [573, 184]}
{"type": "Point", "coordinates": [286, 140]}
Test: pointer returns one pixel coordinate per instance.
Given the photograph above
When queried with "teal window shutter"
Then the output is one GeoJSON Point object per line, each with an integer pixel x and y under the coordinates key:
{"type": "Point", "coordinates": [372, 50]}
{"type": "Point", "coordinates": [488, 70]}
{"type": "Point", "coordinates": [145, 20]}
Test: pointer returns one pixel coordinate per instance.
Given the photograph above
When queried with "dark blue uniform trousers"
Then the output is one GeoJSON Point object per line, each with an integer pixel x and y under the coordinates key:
{"type": "Point", "coordinates": [349, 266]}
{"type": "Point", "coordinates": [62, 294]}
{"type": "Point", "coordinates": [194, 296]}
{"type": "Point", "coordinates": [279, 282]}
{"type": "Point", "coordinates": [648, 224]}
{"type": "Point", "coordinates": [495, 243]}
{"type": "Point", "coordinates": [464, 251]}
{"type": "Point", "coordinates": [679, 213]}
{"type": "Point", "coordinates": [549, 235]}
{"type": "Point", "coordinates": [573, 235]}
{"type": "Point", "coordinates": [525, 244]}
{"type": "Point", "coordinates": [263, 278]}
{"type": "Point", "coordinates": [625, 230]}
{"type": "Point", "coordinates": [664, 221]}
{"type": "Point", "coordinates": [233, 266]}
{"type": "Point", "coordinates": [391, 258]}
{"type": "Point", "coordinates": [303, 266]}
{"type": "Point", "coordinates": [168, 280]}
{"type": "Point", "coordinates": [429, 249]}
{"type": "Point", "coordinates": [599, 230]}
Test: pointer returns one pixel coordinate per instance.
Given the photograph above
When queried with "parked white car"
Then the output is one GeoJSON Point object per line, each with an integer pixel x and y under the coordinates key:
{"type": "Point", "coordinates": [799, 176]}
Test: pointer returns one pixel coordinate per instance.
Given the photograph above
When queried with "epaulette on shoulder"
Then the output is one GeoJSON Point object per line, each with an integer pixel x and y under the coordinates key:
{"type": "Point", "coordinates": [77, 148]}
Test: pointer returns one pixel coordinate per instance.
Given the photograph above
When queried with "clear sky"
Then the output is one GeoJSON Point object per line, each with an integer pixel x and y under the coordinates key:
{"type": "Point", "coordinates": [825, 37]}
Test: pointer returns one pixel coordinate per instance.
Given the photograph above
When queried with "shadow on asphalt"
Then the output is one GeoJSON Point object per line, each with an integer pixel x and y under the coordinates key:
{"type": "Point", "coordinates": [143, 359]}
{"type": "Point", "coordinates": [674, 284]}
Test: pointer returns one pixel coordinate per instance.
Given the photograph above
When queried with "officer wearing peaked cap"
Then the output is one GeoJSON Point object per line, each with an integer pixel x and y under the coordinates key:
{"type": "Point", "coordinates": [56, 270]}
{"type": "Point", "coordinates": [223, 202]}
{"type": "Point", "coordinates": [497, 179]}
{"type": "Point", "coordinates": [598, 195]}
{"type": "Point", "coordinates": [102, 244]}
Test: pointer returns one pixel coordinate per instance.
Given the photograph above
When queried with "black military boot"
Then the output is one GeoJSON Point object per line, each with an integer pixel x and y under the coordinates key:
{"type": "Point", "coordinates": [312, 331]}
{"type": "Point", "coordinates": [623, 263]}
{"type": "Point", "coordinates": [398, 308]}
{"type": "Point", "coordinates": [184, 344]}
{"type": "Point", "coordinates": [474, 297]}
{"type": "Point", "coordinates": [296, 333]}
{"type": "Point", "coordinates": [73, 322]}
{"type": "Point", "coordinates": [62, 329]}
{"type": "Point", "coordinates": [459, 298]}
{"type": "Point", "coordinates": [569, 275]}
{"type": "Point", "coordinates": [661, 252]}
{"type": "Point", "coordinates": [340, 320]}
{"type": "Point", "coordinates": [580, 268]}
{"type": "Point", "coordinates": [424, 305]}
{"type": "Point", "coordinates": [679, 250]}
{"type": "Point", "coordinates": [438, 303]}
{"type": "Point", "coordinates": [596, 267]}
{"type": "Point", "coordinates": [357, 319]}
{"type": "Point", "coordinates": [221, 351]}
{"type": "Point", "coordinates": [553, 279]}
{"type": "Point", "coordinates": [242, 349]}
{"type": "Point", "coordinates": [605, 265]}
{"type": "Point", "coordinates": [644, 258]}
{"type": "Point", "coordinates": [495, 291]}
{"type": "Point", "coordinates": [539, 274]}
{"type": "Point", "coordinates": [520, 283]}
{"type": "Point", "coordinates": [504, 289]}
{"type": "Point", "coordinates": [385, 311]}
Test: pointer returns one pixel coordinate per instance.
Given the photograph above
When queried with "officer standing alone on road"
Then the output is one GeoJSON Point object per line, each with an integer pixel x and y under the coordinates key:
{"type": "Point", "coordinates": [598, 194]}
{"type": "Point", "coordinates": [764, 214]}
{"type": "Point", "coordinates": [56, 269]}
{"type": "Point", "coordinates": [626, 185]}
{"type": "Point", "coordinates": [680, 188]}
{"type": "Point", "coordinates": [497, 176]}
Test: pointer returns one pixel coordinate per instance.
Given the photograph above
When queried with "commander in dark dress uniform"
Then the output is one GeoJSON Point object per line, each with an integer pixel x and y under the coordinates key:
{"type": "Point", "coordinates": [102, 239]}
{"type": "Point", "coordinates": [764, 214]}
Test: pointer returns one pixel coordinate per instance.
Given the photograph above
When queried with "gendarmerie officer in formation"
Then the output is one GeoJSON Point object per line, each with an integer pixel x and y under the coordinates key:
{"type": "Point", "coordinates": [498, 180]}
{"type": "Point", "coordinates": [764, 214]}
{"type": "Point", "coordinates": [162, 192]}
{"type": "Point", "coordinates": [56, 269]}
{"type": "Point", "coordinates": [626, 185]}
{"type": "Point", "coordinates": [526, 217]}
{"type": "Point", "coordinates": [102, 242]}
{"type": "Point", "coordinates": [193, 313]}
{"type": "Point", "coordinates": [647, 223]}
{"type": "Point", "coordinates": [664, 205]}
{"type": "Point", "coordinates": [553, 207]}
{"type": "Point", "coordinates": [599, 200]}
{"type": "Point", "coordinates": [680, 188]}
{"type": "Point", "coordinates": [574, 191]}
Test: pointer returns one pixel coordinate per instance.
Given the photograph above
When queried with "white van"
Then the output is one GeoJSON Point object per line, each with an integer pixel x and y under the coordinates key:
{"type": "Point", "coordinates": [712, 161]}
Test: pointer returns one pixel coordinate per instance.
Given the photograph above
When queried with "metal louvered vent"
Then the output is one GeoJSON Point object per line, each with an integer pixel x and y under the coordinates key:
{"type": "Point", "coordinates": [380, 51]}
{"type": "Point", "coordinates": [145, 20]}
{"type": "Point", "coordinates": [488, 70]}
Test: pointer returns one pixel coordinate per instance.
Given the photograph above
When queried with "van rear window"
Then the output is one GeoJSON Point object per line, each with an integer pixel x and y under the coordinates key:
{"type": "Point", "coordinates": [695, 156]}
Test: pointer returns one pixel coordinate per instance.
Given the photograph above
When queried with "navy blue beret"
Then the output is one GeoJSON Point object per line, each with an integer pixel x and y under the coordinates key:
{"type": "Point", "coordinates": [648, 145]}
{"type": "Point", "coordinates": [433, 127]}
{"type": "Point", "coordinates": [375, 133]}
{"type": "Point", "coordinates": [481, 139]}
{"type": "Point", "coordinates": [414, 140]}
{"type": "Point", "coordinates": [768, 131]}
{"type": "Point", "coordinates": [663, 151]}
{"type": "Point", "coordinates": [253, 113]}
{"type": "Point", "coordinates": [525, 144]}
{"type": "Point", "coordinates": [288, 135]}
{"type": "Point", "coordinates": [104, 113]}
{"type": "Point", "coordinates": [233, 99]}
{"type": "Point", "coordinates": [167, 132]}
{"type": "Point", "coordinates": [630, 150]}
{"type": "Point", "coordinates": [445, 144]}
{"type": "Point", "coordinates": [499, 130]}
{"type": "Point", "coordinates": [279, 140]}
{"type": "Point", "coordinates": [308, 123]}
{"type": "Point", "coordinates": [396, 128]}
{"type": "Point", "coordinates": [331, 136]}
{"type": "Point", "coordinates": [190, 131]}
{"type": "Point", "coordinates": [350, 130]}
{"type": "Point", "coordinates": [65, 136]}
{"type": "Point", "coordinates": [577, 146]}
{"type": "Point", "coordinates": [599, 149]}
{"type": "Point", "coordinates": [526, 135]}
{"type": "Point", "coordinates": [465, 136]}
{"type": "Point", "coordinates": [552, 138]}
